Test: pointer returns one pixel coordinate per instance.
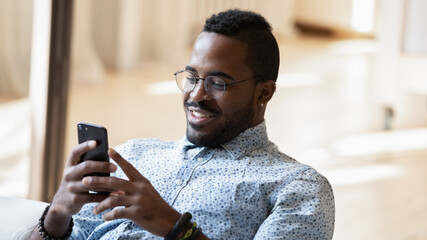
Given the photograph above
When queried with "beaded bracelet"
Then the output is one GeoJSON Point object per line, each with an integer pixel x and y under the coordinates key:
{"type": "Point", "coordinates": [179, 226]}
{"type": "Point", "coordinates": [45, 235]}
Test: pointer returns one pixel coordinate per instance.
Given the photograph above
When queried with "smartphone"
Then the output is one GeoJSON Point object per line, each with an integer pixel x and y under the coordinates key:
{"type": "Point", "coordinates": [87, 132]}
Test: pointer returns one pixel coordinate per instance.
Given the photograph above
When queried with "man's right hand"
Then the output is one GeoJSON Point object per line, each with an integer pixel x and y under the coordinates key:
{"type": "Point", "coordinates": [72, 193]}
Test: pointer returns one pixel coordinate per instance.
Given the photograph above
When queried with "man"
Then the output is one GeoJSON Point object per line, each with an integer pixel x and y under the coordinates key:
{"type": "Point", "coordinates": [225, 172]}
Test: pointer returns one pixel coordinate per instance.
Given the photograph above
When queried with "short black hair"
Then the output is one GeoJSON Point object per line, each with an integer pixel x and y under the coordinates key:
{"type": "Point", "coordinates": [262, 54]}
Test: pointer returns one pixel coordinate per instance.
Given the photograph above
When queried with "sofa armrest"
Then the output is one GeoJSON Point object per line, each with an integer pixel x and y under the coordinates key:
{"type": "Point", "coordinates": [19, 217]}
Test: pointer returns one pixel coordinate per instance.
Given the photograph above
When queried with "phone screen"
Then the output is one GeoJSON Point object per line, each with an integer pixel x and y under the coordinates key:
{"type": "Point", "coordinates": [88, 132]}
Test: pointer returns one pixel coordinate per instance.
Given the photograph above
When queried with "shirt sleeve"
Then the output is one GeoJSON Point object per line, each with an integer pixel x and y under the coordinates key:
{"type": "Point", "coordinates": [303, 209]}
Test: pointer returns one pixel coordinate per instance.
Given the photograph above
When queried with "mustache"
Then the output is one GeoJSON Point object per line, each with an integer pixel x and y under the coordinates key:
{"type": "Point", "coordinates": [200, 105]}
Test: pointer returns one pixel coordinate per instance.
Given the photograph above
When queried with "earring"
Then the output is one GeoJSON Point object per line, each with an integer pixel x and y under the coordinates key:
{"type": "Point", "coordinates": [261, 104]}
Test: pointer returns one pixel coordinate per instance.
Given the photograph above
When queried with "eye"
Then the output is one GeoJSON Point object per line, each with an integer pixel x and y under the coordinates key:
{"type": "Point", "coordinates": [216, 83]}
{"type": "Point", "coordinates": [191, 78]}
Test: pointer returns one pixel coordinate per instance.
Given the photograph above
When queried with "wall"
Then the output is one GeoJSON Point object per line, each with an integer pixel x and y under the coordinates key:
{"type": "Point", "coordinates": [15, 47]}
{"type": "Point", "coordinates": [128, 33]}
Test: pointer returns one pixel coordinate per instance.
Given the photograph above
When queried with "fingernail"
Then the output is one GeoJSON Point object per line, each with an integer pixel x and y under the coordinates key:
{"type": "Point", "coordinates": [86, 180]}
{"type": "Point", "coordinates": [113, 168]}
{"type": "Point", "coordinates": [92, 143]}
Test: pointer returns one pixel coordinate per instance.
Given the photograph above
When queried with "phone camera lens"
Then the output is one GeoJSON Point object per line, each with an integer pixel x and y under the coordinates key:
{"type": "Point", "coordinates": [86, 129]}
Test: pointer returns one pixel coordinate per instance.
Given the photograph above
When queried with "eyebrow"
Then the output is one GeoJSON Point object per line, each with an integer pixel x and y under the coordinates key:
{"type": "Point", "coordinates": [211, 73]}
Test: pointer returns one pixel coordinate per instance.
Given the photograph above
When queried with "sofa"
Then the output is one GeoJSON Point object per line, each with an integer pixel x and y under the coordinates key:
{"type": "Point", "coordinates": [19, 217]}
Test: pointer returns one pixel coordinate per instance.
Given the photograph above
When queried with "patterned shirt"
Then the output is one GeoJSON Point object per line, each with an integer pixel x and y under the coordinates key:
{"type": "Point", "coordinates": [247, 189]}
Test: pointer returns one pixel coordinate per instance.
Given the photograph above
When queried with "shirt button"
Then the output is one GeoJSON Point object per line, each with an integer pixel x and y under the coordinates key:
{"type": "Point", "coordinates": [178, 182]}
{"type": "Point", "coordinates": [200, 159]}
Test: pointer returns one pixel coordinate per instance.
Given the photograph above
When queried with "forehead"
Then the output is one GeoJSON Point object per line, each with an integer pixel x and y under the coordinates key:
{"type": "Point", "coordinates": [216, 52]}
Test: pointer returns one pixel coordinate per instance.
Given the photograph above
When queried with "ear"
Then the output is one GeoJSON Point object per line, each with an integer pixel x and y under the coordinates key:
{"type": "Point", "coordinates": [266, 90]}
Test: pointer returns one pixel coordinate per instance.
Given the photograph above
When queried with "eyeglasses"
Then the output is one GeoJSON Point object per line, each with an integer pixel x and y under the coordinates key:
{"type": "Point", "coordinates": [214, 86]}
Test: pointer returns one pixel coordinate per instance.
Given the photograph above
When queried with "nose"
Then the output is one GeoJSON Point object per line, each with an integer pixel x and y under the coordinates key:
{"type": "Point", "coordinates": [199, 92]}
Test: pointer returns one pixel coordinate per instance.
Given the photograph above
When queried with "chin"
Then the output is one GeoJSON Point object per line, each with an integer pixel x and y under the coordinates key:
{"type": "Point", "coordinates": [200, 137]}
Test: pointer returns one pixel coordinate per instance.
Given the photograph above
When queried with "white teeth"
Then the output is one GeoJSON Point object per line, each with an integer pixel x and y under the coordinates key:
{"type": "Point", "coordinates": [199, 115]}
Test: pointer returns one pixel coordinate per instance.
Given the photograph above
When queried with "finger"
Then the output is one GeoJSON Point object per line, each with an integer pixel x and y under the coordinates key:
{"type": "Point", "coordinates": [119, 213]}
{"type": "Point", "coordinates": [127, 168]}
{"type": "Point", "coordinates": [77, 187]}
{"type": "Point", "coordinates": [111, 184]}
{"type": "Point", "coordinates": [92, 197]}
{"type": "Point", "coordinates": [77, 172]}
{"type": "Point", "coordinates": [90, 166]}
{"type": "Point", "coordinates": [117, 193]}
{"type": "Point", "coordinates": [79, 150]}
{"type": "Point", "coordinates": [111, 201]}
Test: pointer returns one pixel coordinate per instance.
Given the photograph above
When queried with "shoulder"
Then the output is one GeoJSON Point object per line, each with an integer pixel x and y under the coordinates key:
{"type": "Point", "coordinates": [269, 157]}
{"type": "Point", "coordinates": [289, 172]}
{"type": "Point", "coordinates": [293, 189]}
{"type": "Point", "coordinates": [306, 183]}
{"type": "Point", "coordinates": [268, 164]}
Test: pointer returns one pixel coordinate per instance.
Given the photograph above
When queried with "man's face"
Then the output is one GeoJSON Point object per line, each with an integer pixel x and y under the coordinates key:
{"type": "Point", "coordinates": [211, 122]}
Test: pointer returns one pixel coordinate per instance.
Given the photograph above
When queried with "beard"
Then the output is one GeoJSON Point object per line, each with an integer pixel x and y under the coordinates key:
{"type": "Point", "coordinates": [233, 125]}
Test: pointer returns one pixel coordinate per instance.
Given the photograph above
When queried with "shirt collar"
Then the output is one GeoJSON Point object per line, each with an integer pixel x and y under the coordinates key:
{"type": "Point", "coordinates": [245, 143]}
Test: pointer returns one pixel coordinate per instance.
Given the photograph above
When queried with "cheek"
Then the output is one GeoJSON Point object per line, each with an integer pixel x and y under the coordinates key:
{"type": "Point", "coordinates": [230, 105]}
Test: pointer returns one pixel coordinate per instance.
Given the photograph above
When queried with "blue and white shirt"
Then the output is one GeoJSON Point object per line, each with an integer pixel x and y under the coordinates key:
{"type": "Point", "coordinates": [247, 189]}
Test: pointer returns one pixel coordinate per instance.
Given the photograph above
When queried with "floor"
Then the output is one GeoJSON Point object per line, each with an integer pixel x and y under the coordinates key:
{"type": "Point", "coordinates": [322, 114]}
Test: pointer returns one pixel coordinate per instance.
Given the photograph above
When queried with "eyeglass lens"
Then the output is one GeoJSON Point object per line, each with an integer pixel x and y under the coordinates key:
{"type": "Point", "coordinates": [214, 86]}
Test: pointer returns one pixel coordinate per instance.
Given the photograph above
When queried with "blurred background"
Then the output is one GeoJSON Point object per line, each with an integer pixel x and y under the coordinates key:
{"type": "Point", "coordinates": [351, 96]}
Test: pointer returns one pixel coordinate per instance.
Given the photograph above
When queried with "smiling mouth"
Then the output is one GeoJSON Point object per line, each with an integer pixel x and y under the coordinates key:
{"type": "Point", "coordinates": [200, 115]}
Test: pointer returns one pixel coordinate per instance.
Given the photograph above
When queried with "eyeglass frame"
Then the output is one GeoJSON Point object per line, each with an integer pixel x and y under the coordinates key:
{"type": "Point", "coordinates": [199, 78]}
